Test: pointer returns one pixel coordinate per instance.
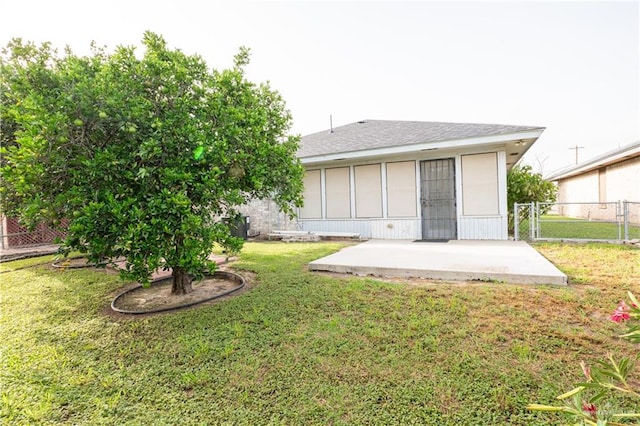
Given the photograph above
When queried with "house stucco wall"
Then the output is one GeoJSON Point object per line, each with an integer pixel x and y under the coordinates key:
{"type": "Point", "coordinates": [385, 226]}
{"type": "Point", "coordinates": [393, 173]}
{"type": "Point", "coordinates": [610, 184]}
{"type": "Point", "coordinates": [579, 189]}
{"type": "Point", "coordinates": [623, 180]}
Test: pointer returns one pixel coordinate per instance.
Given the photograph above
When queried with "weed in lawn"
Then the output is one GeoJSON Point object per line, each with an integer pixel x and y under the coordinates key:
{"type": "Point", "coordinates": [522, 351]}
{"type": "Point", "coordinates": [191, 380]}
{"type": "Point", "coordinates": [202, 349]}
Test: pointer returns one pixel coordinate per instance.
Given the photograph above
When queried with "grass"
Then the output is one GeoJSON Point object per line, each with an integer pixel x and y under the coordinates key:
{"type": "Point", "coordinates": [563, 227]}
{"type": "Point", "coordinates": [304, 348]}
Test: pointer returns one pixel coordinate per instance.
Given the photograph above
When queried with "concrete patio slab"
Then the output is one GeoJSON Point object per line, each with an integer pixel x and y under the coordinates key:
{"type": "Point", "coordinates": [507, 261]}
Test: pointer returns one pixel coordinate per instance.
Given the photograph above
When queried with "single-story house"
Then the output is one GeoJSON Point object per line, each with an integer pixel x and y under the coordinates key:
{"type": "Point", "coordinates": [410, 179]}
{"type": "Point", "coordinates": [608, 178]}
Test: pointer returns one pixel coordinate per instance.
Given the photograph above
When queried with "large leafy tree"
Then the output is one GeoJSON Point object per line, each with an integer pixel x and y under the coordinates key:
{"type": "Point", "coordinates": [525, 186]}
{"type": "Point", "coordinates": [142, 155]}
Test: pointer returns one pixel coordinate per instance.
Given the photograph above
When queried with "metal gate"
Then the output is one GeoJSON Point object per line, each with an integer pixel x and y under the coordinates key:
{"type": "Point", "coordinates": [438, 199]}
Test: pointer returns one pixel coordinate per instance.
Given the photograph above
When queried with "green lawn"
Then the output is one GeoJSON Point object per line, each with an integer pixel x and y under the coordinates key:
{"type": "Point", "coordinates": [562, 227]}
{"type": "Point", "coordinates": [304, 348]}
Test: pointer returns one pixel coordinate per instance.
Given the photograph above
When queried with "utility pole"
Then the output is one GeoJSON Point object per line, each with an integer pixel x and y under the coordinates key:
{"type": "Point", "coordinates": [577, 148]}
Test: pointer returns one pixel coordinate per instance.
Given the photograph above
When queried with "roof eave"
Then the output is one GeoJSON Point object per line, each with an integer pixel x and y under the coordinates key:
{"type": "Point", "coordinates": [596, 163]}
{"type": "Point", "coordinates": [425, 146]}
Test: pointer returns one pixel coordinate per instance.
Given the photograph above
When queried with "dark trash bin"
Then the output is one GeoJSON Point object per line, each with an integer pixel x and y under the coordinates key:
{"type": "Point", "coordinates": [239, 227]}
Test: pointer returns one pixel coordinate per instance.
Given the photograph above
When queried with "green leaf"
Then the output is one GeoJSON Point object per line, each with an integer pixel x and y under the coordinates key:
{"type": "Point", "coordinates": [198, 152]}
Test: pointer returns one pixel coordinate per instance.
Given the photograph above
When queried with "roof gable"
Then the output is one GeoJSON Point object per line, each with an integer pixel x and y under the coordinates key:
{"type": "Point", "coordinates": [377, 134]}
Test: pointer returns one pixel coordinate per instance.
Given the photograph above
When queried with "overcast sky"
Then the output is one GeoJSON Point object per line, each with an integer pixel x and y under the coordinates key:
{"type": "Point", "coordinates": [572, 67]}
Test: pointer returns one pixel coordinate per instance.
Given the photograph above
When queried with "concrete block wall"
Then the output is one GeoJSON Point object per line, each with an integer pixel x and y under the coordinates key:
{"type": "Point", "coordinates": [265, 217]}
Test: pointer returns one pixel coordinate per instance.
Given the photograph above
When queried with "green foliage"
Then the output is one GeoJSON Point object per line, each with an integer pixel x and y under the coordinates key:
{"type": "Point", "coordinates": [141, 154]}
{"type": "Point", "coordinates": [524, 186]}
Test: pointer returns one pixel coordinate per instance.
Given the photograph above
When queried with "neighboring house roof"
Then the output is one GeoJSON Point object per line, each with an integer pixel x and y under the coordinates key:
{"type": "Point", "coordinates": [379, 137]}
{"type": "Point", "coordinates": [611, 157]}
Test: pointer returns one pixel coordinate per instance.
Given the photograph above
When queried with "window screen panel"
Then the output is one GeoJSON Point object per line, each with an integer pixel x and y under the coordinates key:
{"type": "Point", "coordinates": [401, 189]}
{"type": "Point", "coordinates": [338, 192]}
{"type": "Point", "coordinates": [368, 181]}
{"type": "Point", "coordinates": [480, 184]}
{"type": "Point", "coordinates": [312, 208]}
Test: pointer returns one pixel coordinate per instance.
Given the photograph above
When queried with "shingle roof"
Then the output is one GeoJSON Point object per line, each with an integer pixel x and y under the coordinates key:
{"type": "Point", "coordinates": [372, 134]}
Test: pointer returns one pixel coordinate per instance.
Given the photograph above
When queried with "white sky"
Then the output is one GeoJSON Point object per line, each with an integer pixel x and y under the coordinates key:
{"type": "Point", "coordinates": [573, 67]}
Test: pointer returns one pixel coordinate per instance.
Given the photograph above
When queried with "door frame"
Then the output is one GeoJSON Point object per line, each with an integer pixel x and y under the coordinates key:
{"type": "Point", "coordinates": [453, 163]}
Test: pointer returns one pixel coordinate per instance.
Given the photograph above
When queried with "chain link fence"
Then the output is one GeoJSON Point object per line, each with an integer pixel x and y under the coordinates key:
{"type": "Point", "coordinates": [523, 221]}
{"type": "Point", "coordinates": [613, 221]}
{"type": "Point", "coordinates": [13, 235]}
{"type": "Point", "coordinates": [631, 211]}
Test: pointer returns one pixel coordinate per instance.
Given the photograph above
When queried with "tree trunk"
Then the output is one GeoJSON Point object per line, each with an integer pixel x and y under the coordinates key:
{"type": "Point", "coordinates": [181, 282]}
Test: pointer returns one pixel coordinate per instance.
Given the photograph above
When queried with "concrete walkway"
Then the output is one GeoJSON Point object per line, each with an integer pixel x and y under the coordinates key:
{"type": "Point", "coordinates": [29, 251]}
{"type": "Point", "coordinates": [507, 261]}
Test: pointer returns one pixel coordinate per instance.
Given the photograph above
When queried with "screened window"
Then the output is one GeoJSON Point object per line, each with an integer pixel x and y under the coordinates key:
{"type": "Point", "coordinates": [401, 189]}
{"type": "Point", "coordinates": [338, 192]}
{"type": "Point", "coordinates": [312, 208]}
{"type": "Point", "coordinates": [480, 184]}
{"type": "Point", "coordinates": [368, 182]}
